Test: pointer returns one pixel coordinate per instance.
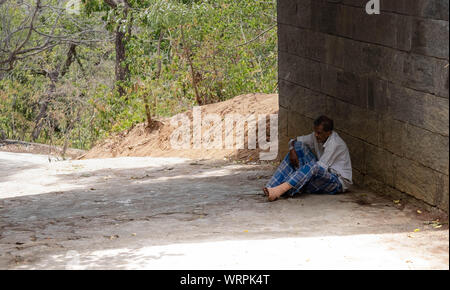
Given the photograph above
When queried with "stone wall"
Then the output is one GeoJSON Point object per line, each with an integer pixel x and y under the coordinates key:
{"type": "Point", "coordinates": [382, 78]}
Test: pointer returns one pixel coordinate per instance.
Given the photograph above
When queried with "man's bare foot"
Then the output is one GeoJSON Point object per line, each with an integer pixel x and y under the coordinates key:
{"type": "Point", "coordinates": [276, 192]}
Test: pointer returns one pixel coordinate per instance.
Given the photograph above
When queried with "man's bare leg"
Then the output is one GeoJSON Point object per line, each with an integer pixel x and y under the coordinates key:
{"type": "Point", "coordinates": [275, 192]}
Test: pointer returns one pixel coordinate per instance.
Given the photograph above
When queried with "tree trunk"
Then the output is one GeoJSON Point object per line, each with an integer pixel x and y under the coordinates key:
{"type": "Point", "coordinates": [147, 111]}
{"type": "Point", "coordinates": [43, 112]}
{"type": "Point", "coordinates": [54, 77]}
{"type": "Point", "coordinates": [158, 72]}
{"type": "Point", "coordinates": [122, 70]}
{"type": "Point", "coordinates": [194, 76]}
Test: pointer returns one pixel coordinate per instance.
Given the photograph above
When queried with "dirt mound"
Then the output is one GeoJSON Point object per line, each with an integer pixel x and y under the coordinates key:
{"type": "Point", "coordinates": [140, 141]}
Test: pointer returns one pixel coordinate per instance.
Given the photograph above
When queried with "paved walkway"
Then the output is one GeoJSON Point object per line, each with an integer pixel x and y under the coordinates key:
{"type": "Point", "coordinates": [172, 213]}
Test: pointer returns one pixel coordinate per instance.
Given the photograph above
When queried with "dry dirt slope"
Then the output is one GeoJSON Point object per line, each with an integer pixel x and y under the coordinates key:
{"type": "Point", "coordinates": [138, 141]}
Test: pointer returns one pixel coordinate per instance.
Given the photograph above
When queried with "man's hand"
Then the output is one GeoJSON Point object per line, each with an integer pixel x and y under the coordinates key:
{"type": "Point", "coordinates": [293, 158]}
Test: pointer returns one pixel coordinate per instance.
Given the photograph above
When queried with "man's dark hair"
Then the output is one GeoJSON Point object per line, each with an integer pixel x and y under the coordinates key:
{"type": "Point", "coordinates": [328, 124]}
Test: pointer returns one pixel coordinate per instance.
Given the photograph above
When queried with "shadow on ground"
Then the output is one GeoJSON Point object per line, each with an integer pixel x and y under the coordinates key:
{"type": "Point", "coordinates": [137, 212]}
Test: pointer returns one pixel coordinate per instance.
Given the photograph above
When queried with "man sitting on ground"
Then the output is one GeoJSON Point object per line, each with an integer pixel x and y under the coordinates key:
{"type": "Point", "coordinates": [316, 163]}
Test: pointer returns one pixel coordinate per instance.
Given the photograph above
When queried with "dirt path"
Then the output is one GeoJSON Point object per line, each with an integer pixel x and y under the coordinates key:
{"type": "Point", "coordinates": [174, 213]}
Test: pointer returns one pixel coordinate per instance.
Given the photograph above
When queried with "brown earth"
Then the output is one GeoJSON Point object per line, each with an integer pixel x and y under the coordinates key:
{"type": "Point", "coordinates": [16, 146]}
{"type": "Point", "coordinates": [140, 141]}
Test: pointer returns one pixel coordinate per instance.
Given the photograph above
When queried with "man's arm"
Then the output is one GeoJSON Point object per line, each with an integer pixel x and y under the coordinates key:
{"type": "Point", "coordinates": [307, 140]}
{"type": "Point", "coordinates": [291, 144]}
{"type": "Point", "coordinates": [293, 158]}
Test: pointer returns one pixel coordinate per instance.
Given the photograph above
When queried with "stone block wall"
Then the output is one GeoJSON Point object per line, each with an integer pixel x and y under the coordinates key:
{"type": "Point", "coordinates": [382, 78]}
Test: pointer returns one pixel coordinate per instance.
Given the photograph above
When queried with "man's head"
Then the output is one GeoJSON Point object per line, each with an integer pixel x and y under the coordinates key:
{"type": "Point", "coordinates": [323, 127]}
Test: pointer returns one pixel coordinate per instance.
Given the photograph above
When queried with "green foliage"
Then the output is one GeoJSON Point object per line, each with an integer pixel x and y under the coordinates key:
{"type": "Point", "coordinates": [180, 53]}
{"type": "Point", "coordinates": [213, 32]}
{"type": "Point", "coordinates": [18, 95]}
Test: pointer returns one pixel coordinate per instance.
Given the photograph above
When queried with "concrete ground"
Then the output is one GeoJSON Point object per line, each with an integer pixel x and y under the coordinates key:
{"type": "Point", "coordinates": [172, 213]}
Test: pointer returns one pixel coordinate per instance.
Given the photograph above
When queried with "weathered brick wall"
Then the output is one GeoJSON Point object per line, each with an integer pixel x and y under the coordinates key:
{"type": "Point", "coordinates": [382, 78]}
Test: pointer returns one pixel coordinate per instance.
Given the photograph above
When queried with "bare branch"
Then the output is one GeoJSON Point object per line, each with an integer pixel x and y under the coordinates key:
{"type": "Point", "coordinates": [258, 36]}
{"type": "Point", "coordinates": [111, 3]}
{"type": "Point", "coordinates": [38, 3]}
{"type": "Point", "coordinates": [34, 38]}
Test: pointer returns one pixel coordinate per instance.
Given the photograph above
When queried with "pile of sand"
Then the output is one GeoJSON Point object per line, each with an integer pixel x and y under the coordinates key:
{"type": "Point", "coordinates": [140, 141]}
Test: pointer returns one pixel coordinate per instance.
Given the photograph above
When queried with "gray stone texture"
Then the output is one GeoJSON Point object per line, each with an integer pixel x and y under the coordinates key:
{"type": "Point", "coordinates": [382, 78]}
